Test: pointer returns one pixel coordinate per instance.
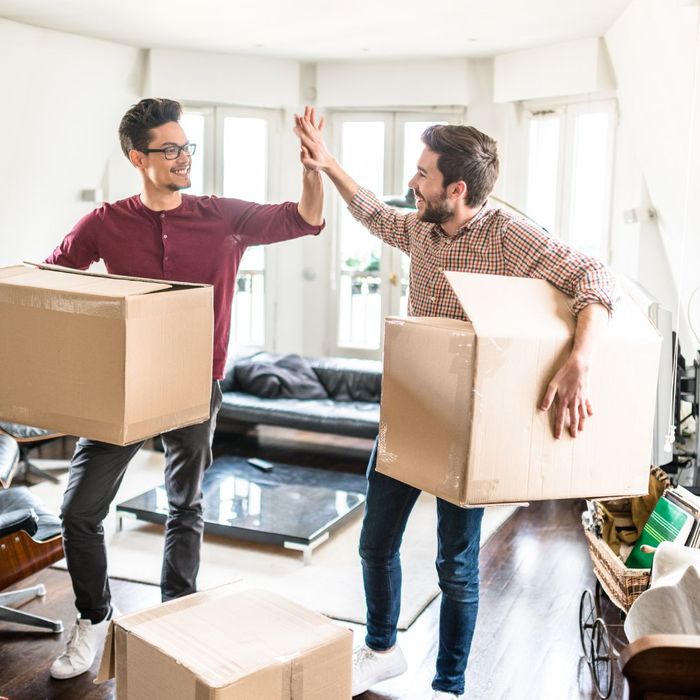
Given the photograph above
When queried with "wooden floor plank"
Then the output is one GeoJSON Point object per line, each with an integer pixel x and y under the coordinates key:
{"type": "Point", "coordinates": [526, 644]}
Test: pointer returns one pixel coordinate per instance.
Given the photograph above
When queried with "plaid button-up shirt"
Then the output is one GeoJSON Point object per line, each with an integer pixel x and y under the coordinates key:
{"type": "Point", "coordinates": [493, 242]}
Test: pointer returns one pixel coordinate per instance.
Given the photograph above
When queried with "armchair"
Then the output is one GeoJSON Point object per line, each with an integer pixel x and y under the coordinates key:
{"type": "Point", "coordinates": [27, 438]}
{"type": "Point", "coordinates": [662, 666]}
{"type": "Point", "coordinates": [30, 540]}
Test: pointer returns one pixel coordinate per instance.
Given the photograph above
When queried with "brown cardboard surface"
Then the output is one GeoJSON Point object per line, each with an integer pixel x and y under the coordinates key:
{"type": "Point", "coordinates": [230, 644]}
{"type": "Point", "coordinates": [428, 370]}
{"type": "Point", "coordinates": [90, 273]}
{"type": "Point", "coordinates": [107, 358]}
{"type": "Point", "coordinates": [88, 285]}
{"type": "Point", "coordinates": [459, 402]}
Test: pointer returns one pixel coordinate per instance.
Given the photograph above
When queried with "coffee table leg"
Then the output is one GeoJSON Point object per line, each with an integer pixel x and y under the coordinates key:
{"type": "Point", "coordinates": [121, 514]}
{"type": "Point", "coordinates": [307, 549]}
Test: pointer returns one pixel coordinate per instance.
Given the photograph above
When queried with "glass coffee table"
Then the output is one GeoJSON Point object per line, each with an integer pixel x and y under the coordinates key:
{"type": "Point", "coordinates": [295, 507]}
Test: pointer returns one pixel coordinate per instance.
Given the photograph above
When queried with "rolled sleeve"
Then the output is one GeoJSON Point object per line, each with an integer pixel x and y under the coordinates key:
{"type": "Point", "coordinates": [597, 286]}
{"type": "Point", "coordinates": [530, 252]}
{"type": "Point", "coordinates": [381, 220]}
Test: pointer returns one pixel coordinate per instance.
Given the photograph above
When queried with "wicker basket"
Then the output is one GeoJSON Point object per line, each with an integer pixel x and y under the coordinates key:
{"type": "Point", "coordinates": [622, 585]}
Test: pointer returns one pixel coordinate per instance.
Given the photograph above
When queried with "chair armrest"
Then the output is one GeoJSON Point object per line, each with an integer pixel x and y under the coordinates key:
{"type": "Point", "coordinates": [15, 520]}
{"type": "Point", "coordinates": [662, 663]}
{"type": "Point", "coordinates": [20, 556]}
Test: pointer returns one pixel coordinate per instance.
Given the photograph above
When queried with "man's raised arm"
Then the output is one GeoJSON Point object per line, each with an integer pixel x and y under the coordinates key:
{"type": "Point", "coordinates": [315, 155]}
{"type": "Point", "coordinates": [380, 220]}
{"type": "Point", "coordinates": [310, 205]}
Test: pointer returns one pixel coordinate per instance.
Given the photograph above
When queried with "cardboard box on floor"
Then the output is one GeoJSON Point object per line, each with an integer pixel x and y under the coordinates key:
{"type": "Point", "coordinates": [459, 415]}
{"type": "Point", "coordinates": [110, 358]}
{"type": "Point", "coordinates": [228, 644]}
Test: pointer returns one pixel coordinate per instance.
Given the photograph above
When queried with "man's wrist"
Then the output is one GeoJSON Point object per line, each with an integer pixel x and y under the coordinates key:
{"type": "Point", "coordinates": [331, 168]}
{"type": "Point", "coordinates": [580, 358]}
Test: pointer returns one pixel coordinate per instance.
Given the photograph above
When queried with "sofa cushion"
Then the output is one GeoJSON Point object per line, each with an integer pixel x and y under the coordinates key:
{"type": "Point", "coordinates": [277, 376]}
{"type": "Point", "coordinates": [348, 379]}
{"type": "Point", "coordinates": [354, 418]}
{"type": "Point", "coordinates": [20, 497]}
{"type": "Point", "coordinates": [15, 520]}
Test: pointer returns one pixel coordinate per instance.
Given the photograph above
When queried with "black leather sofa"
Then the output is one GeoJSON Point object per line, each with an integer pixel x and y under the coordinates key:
{"type": "Point", "coordinates": [350, 405]}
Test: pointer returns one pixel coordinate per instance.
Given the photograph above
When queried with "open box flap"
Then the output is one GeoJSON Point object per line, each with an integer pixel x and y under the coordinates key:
{"type": "Point", "coordinates": [498, 305]}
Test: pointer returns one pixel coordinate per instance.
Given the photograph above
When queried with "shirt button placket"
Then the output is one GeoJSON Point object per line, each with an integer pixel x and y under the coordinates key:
{"type": "Point", "coordinates": [164, 238]}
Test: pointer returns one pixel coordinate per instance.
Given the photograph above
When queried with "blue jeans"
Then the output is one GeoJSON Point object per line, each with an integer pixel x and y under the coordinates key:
{"type": "Point", "coordinates": [389, 503]}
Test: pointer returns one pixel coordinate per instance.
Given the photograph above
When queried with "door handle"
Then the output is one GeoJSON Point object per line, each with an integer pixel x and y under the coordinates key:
{"type": "Point", "coordinates": [393, 279]}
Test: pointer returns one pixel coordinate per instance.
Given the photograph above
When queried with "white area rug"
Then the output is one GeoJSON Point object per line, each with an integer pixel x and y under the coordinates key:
{"type": "Point", "coordinates": [331, 584]}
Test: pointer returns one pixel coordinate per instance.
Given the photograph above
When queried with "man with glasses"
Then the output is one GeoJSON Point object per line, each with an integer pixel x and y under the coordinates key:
{"type": "Point", "coordinates": [160, 233]}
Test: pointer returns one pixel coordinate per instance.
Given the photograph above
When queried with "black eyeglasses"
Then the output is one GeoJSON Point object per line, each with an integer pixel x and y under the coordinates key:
{"type": "Point", "coordinates": [173, 152]}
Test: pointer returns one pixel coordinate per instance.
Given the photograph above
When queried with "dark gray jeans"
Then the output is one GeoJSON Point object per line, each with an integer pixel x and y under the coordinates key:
{"type": "Point", "coordinates": [96, 471]}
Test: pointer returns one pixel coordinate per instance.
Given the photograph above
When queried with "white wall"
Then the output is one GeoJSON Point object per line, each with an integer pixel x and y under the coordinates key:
{"type": "Point", "coordinates": [217, 78]}
{"type": "Point", "coordinates": [63, 107]}
{"type": "Point", "coordinates": [381, 84]}
{"type": "Point", "coordinates": [63, 97]}
{"type": "Point", "coordinates": [568, 68]}
{"type": "Point", "coordinates": [654, 52]}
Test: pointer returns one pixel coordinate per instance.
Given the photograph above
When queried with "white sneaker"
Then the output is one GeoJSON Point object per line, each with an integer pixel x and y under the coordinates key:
{"type": "Point", "coordinates": [370, 667]}
{"type": "Point", "coordinates": [84, 641]}
{"type": "Point", "coordinates": [444, 695]}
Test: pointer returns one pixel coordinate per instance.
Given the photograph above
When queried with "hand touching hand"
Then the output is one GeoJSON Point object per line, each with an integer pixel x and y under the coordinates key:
{"type": "Point", "coordinates": [314, 154]}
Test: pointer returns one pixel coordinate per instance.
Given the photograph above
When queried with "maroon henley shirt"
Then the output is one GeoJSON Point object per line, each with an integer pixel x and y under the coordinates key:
{"type": "Point", "coordinates": [200, 241]}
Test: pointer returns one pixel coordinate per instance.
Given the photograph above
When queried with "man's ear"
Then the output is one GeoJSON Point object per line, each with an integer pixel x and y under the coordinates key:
{"type": "Point", "coordinates": [457, 190]}
{"type": "Point", "coordinates": [136, 158]}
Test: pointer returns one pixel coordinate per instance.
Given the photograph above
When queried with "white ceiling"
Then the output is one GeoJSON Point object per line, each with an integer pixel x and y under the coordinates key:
{"type": "Point", "coordinates": [325, 29]}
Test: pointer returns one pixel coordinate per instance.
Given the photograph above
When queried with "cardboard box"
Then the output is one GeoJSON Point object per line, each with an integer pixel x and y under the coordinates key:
{"type": "Point", "coordinates": [459, 416]}
{"type": "Point", "coordinates": [228, 644]}
{"type": "Point", "coordinates": [110, 358]}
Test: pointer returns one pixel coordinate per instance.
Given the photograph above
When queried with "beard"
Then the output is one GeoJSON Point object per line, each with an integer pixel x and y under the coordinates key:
{"type": "Point", "coordinates": [436, 212]}
{"type": "Point", "coordinates": [176, 188]}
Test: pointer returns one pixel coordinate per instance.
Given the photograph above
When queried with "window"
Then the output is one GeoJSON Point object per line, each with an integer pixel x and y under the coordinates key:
{"type": "Point", "coordinates": [543, 169]}
{"type": "Point", "coordinates": [245, 177]}
{"type": "Point", "coordinates": [362, 154]}
{"type": "Point", "coordinates": [380, 151]}
{"type": "Point", "coordinates": [570, 161]}
{"type": "Point", "coordinates": [233, 152]}
{"type": "Point", "coordinates": [588, 224]}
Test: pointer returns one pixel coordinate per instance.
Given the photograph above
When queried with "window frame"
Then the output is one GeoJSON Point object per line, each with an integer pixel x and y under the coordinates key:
{"type": "Point", "coordinates": [568, 109]}
{"type": "Point", "coordinates": [213, 183]}
{"type": "Point", "coordinates": [390, 266]}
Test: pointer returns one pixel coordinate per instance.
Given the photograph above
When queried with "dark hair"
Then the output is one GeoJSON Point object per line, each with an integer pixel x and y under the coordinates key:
{"type": "Point", "coordinates": [135, 126]}
{"type": "Point", "coordinates": [464, 153]}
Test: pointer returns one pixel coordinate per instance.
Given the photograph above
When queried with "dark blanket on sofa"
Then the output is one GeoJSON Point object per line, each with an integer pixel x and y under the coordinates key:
{"type": "Point", "coordinates": [277, 377]}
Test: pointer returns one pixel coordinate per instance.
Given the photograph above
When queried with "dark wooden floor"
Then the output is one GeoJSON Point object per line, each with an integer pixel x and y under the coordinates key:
{"type": "Point", "coordinates": [526, 643]}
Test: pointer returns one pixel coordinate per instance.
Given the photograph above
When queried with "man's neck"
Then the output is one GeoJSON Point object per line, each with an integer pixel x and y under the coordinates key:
{"type": "Point", "coordinates": [460, 219]}
{"type": "Point", "coordinates": [161, 201]}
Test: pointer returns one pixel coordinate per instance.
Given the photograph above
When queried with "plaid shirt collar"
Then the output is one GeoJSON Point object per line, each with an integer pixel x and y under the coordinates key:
{"type": "Point", "coordinates": [439, 234]}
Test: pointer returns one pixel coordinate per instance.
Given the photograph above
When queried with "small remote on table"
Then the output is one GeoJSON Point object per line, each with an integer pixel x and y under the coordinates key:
{"type": "Point", "coordinates": [261, 464]}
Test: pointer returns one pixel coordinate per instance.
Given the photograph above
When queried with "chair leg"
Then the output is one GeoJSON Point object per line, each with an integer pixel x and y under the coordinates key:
{"type": "Point", "coordinates": [22, 594]}
{"type": "Point", "coordinates": [32, 469]}
{"type": "Point", "coordinates": [23, 618]}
